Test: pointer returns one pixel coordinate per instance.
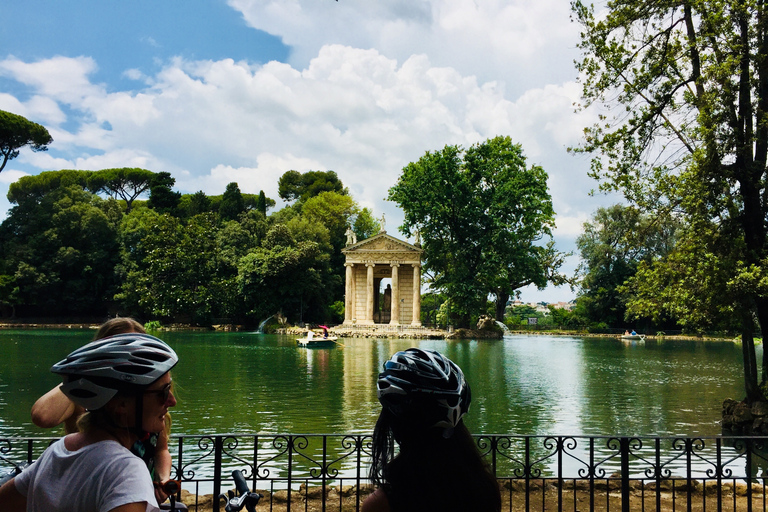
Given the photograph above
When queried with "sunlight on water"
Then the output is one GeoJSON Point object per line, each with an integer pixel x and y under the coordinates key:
{"type": "Point", "coordinates": [551, 385]}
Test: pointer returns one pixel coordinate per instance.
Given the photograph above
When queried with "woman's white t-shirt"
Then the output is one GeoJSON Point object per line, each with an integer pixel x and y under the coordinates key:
{"type": "Point", "coordinates": [96, 478]}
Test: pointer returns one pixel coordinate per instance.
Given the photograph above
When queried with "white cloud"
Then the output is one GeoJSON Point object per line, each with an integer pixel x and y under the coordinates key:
{"type": "Point", "coordinates": [350, 110]}
{"type": "Point", "coordinates": [520, 42]}
{"type": "Point", "coordinates": [58, 78]}
{"type": "Point", "coordinates": [369, 88]}
{"type": "Point", "coordinates": [9, 175]}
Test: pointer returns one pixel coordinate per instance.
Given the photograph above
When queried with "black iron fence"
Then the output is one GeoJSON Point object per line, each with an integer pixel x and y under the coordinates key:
{"type": "Point", "coordinates": [329, 472]}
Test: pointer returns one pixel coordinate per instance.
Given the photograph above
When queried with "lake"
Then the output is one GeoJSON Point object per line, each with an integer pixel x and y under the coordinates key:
{"type": "Point", "coordinates": [256, 383]}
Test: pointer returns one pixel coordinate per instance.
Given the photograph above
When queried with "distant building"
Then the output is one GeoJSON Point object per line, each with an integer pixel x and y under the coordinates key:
{"type": "Point", "coordinates": [568, 306]}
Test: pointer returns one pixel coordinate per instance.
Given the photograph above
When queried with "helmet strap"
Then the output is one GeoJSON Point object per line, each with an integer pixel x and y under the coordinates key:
{"type": "Point", "coordinates": [138, 426]}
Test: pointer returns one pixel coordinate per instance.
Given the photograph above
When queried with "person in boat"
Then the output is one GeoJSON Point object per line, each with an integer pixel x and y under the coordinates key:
{"type": "Point", "coordinates": [54, 408]}
{"type": "Point", "coordinates": [633, 333]}
{"type": "Point", "coordinates": [626, 332]}
{"type": "Point", "coordinates": [325, 332]}
{"type": "Point", "coordinates": [124, 383]}
{"type": "Point", "coordinates": [438, 466]}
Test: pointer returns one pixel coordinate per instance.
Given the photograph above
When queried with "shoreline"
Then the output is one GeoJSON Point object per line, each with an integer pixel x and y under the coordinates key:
{"type": "Point", "coordinates": [341, 331]}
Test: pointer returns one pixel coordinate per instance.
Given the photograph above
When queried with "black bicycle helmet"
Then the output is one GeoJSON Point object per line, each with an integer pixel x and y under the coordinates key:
{"type": "Point", "coordinates": [425, 387]}
{"type": "Point", "coordinates": [94, 373]}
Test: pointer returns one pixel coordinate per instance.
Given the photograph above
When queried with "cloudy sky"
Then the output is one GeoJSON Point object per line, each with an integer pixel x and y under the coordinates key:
{"type": "Point", "coordinates": [215, 91]}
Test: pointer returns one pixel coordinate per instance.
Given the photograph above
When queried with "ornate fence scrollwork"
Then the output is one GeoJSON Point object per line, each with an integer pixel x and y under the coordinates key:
{"type": "Point", "coordinates": [312, 465]}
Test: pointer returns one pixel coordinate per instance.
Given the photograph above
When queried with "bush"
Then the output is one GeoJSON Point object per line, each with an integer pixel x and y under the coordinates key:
{"type": "Point", "coordinates": [153, 325]}
{"type": "Point", "coordinates": [598, 328]}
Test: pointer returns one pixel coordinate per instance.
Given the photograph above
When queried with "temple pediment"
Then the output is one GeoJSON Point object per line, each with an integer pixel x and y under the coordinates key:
{"type": "Point", "coordinates": [382, 247]}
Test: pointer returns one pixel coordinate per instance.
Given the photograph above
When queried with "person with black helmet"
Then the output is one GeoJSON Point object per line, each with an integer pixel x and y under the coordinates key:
{"type": "Point", "coordinates": [424, 397]}
{"type": "Point", "coordinates": [124, 384]}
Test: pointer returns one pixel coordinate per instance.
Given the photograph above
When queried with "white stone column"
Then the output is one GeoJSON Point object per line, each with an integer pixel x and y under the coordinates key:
{"type": "Point", "coordinates": [395, 305]}
{"type": "Point", "coordinates": [416, 295]}
{"type": "Point", "coordinates": [369, 292]}
{"type": "Point", "coordinates": [349, 293]}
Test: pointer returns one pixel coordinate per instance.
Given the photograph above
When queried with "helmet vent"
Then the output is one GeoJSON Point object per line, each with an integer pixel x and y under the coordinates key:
{"type": "Point", "coordinates": [152, 356]}
{"type": "Point", "coordinates": [133, 369]}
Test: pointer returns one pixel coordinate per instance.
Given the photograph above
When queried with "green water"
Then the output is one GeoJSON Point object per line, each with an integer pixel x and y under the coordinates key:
{"type": "Point", "coordinates": [253, 383]}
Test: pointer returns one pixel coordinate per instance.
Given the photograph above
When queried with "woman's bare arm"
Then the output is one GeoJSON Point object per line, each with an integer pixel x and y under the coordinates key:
{"type": "Point", "coordinates": [376, 502]}
{"type": "Point", "coordinates": [11, 498]}
{"type": "Point", "coordinates": [52, 409]}
{"type": "Point", "coordinates": [162, 465]}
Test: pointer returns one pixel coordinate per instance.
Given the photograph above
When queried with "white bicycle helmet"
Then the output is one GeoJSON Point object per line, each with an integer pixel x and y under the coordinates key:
{"type": "Point", "coordinates": [424, 386]}
{"type": "Point", "coordinates": [94, 373]}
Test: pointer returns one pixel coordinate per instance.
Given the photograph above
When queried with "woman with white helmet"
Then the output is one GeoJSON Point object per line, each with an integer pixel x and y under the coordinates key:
{"type": "Point", "coordinates": [424, 397]}
{"type": "Point", "coordinates": [55, 408]}
{"type": "Point", "coordinates": [124, 383]}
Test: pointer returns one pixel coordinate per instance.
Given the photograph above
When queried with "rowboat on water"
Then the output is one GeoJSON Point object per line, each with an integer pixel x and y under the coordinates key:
{"type": "Point", "coordinates": [632, 336]}
{"type": "Point", "coordinates": [313, 340]}
{"type": "Point", "coordinates": [330, 341]}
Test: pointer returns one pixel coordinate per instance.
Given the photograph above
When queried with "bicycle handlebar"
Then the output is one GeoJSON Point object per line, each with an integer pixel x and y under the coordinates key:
{"type": "Point", "coordinates": [246, 498]}
{"type": "Point", "coordinates": [240, 483]}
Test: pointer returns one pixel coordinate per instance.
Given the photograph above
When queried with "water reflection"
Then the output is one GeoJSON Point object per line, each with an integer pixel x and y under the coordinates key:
{"type": "Point", "coordinates": [523, 385]}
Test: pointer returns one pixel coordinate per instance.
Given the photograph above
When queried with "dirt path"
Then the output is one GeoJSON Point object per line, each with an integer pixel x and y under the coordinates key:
{"type": "Point", "coordinates": [607, 497]}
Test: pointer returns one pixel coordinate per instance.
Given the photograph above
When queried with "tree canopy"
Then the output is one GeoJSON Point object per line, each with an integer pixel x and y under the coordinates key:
{"type": "Point", "coordinates": [482, 214]}
{"type": "Point", "coordinates": [683, 87]}
{"type": "Point", "coordinates": [17, 132]}
{"type": "Point", "coordinates": [614, 243]}
{"type": "Point", "coordinates": [294, 185]}
{"type": "Point", "coordinates": [124, 183]}
{"type": "Point", "coordinates": [193, 258]}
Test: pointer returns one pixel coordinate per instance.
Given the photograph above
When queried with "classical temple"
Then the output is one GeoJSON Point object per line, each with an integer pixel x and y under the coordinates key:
{"type": "Point", "coordinates": [369, 262]}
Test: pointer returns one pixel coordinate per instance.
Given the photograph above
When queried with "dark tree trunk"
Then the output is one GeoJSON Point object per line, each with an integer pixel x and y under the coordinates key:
{"type": "Point", "coordinates": [501, 305]}
{"type": "Point", "coordinates": [748, 351]}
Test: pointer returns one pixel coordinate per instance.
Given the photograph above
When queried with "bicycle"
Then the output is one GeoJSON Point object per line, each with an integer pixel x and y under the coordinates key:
{"type": "Point", "coordinates": [171, 488]}
{"type": "Point", "coordinates": [246, 498]}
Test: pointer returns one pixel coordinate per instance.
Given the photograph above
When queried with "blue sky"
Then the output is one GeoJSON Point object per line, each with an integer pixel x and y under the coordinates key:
{"type": "Point", "coordinates": [141, 34]}
{"type": "Point", "coordinates": [244, 90]}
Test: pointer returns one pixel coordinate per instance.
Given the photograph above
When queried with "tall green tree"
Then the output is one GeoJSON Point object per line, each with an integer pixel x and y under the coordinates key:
{"type": "Point", "coordinates": [261, 203]}
{"type": "Point", "coordinates": [161, 195]}
{"type": "Point", "coordinates": [35, 187]}
{"type": "Point", "coordinates": [281, 275]}
{"type": "Point", "coordinates": [126, 183]}
{"type": "Point", "coordinates": [17, 132]}
{"type": "Point", "coordinates": [232, 202]}
{"type": "Point", "coordinates": [612, 246]}
{"type": "Point", "coordinates": [683, 87]}
{"type": "Point", "coordinates": [58, 253]}
{"type": "Point", "coordinates": [293, 185]}
{"type": "Point", "coordinates": [365, 224]}
{"type": "Point", "coordinates": [175, 270]}
{"type": "Point", "coordinates": [482, 214]}
{"type": "Point", "coordinates": [196, 203]}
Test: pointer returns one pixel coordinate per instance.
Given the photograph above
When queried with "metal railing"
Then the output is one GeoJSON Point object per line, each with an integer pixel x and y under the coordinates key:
{"type": "Point", "coordinates": [535, 473]}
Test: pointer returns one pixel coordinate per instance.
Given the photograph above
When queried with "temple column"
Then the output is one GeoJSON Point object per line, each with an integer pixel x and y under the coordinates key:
{"type": "Point", "coordinates": [395, 305]}
{"type": "Point", "coordinates": [416, 294]}
{"type": "Point", "coordinates": [349, 294]}
{"type": "Point", "coordinates": [369, 292]}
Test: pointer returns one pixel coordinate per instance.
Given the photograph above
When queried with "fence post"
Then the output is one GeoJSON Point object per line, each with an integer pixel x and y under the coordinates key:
{"type": "Point", "coordinates": [324, 475]}
{"type": "Point", "coordinates": [624, 444]}
{"type": "Point", "coordinates": [290, 471]}
{"type": "Point", "coordinates": [749, 474]}
{"type": "Point", "coordinates": [218, 446]}
{"type": "Point", "coordinates": [528, 468]}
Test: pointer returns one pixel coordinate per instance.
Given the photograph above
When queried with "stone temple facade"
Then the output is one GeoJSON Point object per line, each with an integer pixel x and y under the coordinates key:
{"type": "Point", "coordinates": [369, 262]}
